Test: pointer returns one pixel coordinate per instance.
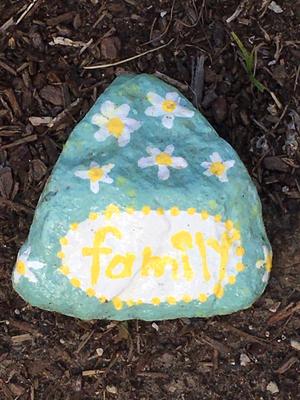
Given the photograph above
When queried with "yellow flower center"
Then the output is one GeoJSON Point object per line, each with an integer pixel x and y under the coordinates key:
{"type": "Point", "coordinates": [217, 168]}
{"type": "Point", "coordinates": [269, 262]}
{"type": "Point", "coordinates": [21, 267]}
{"type": "Point", "coordinates": [163, 159]}
{"type": "Point", "coordinates": [168, 105]}
{"type": "Point", "coordinates": [115, 126]}
{"type": "Point", "coordinates": [95, 174]}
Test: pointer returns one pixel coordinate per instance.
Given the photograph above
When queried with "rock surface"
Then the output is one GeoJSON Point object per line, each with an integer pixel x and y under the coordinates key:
{"type": "Point", "coordinates": [148, 214]}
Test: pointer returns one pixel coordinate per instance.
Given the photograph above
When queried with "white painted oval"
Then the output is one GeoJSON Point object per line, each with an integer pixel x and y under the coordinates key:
{"type": "Point", "coordinates": [131, 232]}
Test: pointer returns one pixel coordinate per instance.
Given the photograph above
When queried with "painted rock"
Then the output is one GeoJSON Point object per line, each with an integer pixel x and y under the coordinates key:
{"type": "Point", "coordinates": [148, 214]}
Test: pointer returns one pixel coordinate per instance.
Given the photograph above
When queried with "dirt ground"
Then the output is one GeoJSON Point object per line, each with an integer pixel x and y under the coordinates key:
{"type": "Point", "coordinates": [45, 91]}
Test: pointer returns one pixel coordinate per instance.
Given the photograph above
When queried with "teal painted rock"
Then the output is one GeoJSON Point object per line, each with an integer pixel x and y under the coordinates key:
{"type": "Point", "coordinates": [148, 214]}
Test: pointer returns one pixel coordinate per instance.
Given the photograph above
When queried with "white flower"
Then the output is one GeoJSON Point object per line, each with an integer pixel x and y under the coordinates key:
{"type": "Point", "coordinates": [217, 167]}
{"type": "Point", "coordinates": [113, 121]}
{"type": "Point", "coordinates": [24, 267]}
{"type": "Point", "coordinates": [96, 174]}
{"type": "Point", "coordinates": [266, 262]}
{"type": "Point", "coordinates": [164, 161]}
{"type": "Point", "coordinates": [168, 108]}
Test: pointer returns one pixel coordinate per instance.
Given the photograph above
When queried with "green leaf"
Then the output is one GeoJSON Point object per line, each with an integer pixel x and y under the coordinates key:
{"type": "Point", "coordinates": [248, 59]}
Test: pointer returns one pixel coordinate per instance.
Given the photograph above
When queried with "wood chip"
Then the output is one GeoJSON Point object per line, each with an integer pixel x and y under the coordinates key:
{"type": "Point", "coordinates": [93, 372]}
{"type": "Point", "coordinates": [10, 95]}
{"type": "Point", "coordinates": [287, 365]}
{"type": "Point", "coordinates": [26, 139]}
{"type": "Point", "coordinates": [7, 68]}
{"type": "Point", "coordinates": [19, 339]}
{"type": "Point", "coordinates": [6, 182]}
{"type": "Point", "coordinates": [37, 121]}
{"type": "Point", "coordinates": [66, 17]}
{"type": "Point", "coordinates": [63, 41]}
{"type": "Point", "coordinates": [52, 94]}
{"type": "Point", "coordinates": [295, 344]}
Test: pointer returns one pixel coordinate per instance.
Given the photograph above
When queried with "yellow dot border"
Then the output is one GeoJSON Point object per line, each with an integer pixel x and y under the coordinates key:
{"type": "Point", "coordinates": [118, 303]}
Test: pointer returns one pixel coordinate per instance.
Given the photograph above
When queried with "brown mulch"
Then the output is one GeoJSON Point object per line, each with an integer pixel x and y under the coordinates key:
{"type": "Point", "coordinates": [45, 91]}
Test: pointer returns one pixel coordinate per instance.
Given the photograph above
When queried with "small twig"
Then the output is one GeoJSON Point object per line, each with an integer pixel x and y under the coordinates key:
{"type": "Point", "coordinates": [280, 118]}
{"type": "Point", "coordinates": [23, 15]}
{"type": "Point", "coordinates": [264, 8]}
{"type": "Point", "coordinates": [237, 12]}
{"type": "Point", "coordinates": [246, 335]}
{"type": "Point", "coordinates": [101, 66]}
{"type": "Point", "coordinates": [198, 16]}
{"type": "Point", "coordinates": [274, 97]}
{"type": "Point", "coordinates": [151, 30]}
{"type": "Point", "coordinates": [153, 375]}
{"type": "Point", "coordinates": [181, 86]}
{"type": "Point", "coordinates": [167, 27]}
{"type": "Point", "coordinates": [84, 342]}
{"type": "Point", "coordinates": [92, 372]}
{"type": "Point", "coordinates": [215, 344]}
{"type": "Point", "coordinates": [296, 78]}
{"type": "Point", "coordinates": [26, 139]}
{"type": "Point", "coordinates": [285, 313]}
{"type": "Point", "coordinates": [197, 83]}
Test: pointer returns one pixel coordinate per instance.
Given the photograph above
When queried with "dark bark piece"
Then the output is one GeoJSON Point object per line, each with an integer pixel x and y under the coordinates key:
{"type": "Point", "coordinates": [110, 47]}
{"type": "Point", "coordinates": [6, 182]}
{"type": "Point", "coordinates": [52, 94]}
{"type": "Point", "coordinates": [275, 164]}
{"type": "Point", "coordinates": [219, 109]}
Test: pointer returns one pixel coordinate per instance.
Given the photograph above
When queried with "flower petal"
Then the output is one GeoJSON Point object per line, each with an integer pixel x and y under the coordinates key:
{"type": "Point", "coordinates": [145, 162]}
{"type": "Point", "coordinates": [26, 254]}
{"type": "Point", "coordinates": [16, 277]}
{"type": "Point", "coordinates": [206, 164]}
{"type": "Point", "coordinates": [108, 109]}
{"type": "Point", "coordinates": [81, 174]}
{"type": "Point", "coordinates": [153, 151]}
{"type": "Point", "coordinates": [101, 134]}
{"type": "Point", "coordinates": [30, 276]}
{"type": "Point", "coordinates": [122, 111]}
{"type": "Point", "coordinates": [207, 173]}
{"type": "Point", "coordinates": [124, 138]}
{"type": "Point", "coordinates": [169, 149]}
{"type": "Point", "coordinates": [179, 163]}
{"type": "Point", "coordinates": [167, 121]}
{"type": "Point", "coordinates": [35, 265]}
{"type": "Point", "coordinates": [174, 96]}
{"type": "Point", "coordinates": [94, 186]}
{"type": "Point", "coordinates": [132, 124]}
{"type": "Point", "coordinates": [229, 164]}
{"type": "Point", "coordinates": [107, 179]}
{"type": "Point", "coordinates": [98, 119]}
{"type": "Point", "coordinates": [154, 111]}
{"type": "Point", "coordinates": [163, 172]}
{"type": "Point", "coordinates": [183, 112]}
{"type": "Point", "coordinates": [223, 177]}
{"type": "Point", "coordinates": [215, 157]}
{"type": "Point", "coordinates": [154, 98]}
{"type": "Point", "coordinates": [93, 164]}
{"type": "Point", "coordinates": [108, 167]}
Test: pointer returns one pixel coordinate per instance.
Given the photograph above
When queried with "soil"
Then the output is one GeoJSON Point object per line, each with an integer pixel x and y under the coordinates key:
{"type": "Point", "coordinates": [45, 91]}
